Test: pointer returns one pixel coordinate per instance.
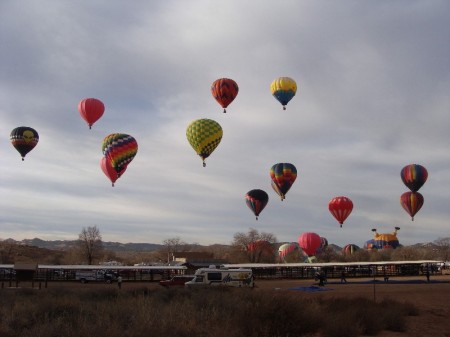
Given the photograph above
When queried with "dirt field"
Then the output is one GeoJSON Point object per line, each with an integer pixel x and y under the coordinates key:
{"type": "Point", "coordinates": [432, 299]}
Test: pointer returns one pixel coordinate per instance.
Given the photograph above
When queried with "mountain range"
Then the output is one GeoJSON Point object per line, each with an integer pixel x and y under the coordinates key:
{"type": "Point", "coordinates": [67, 244]}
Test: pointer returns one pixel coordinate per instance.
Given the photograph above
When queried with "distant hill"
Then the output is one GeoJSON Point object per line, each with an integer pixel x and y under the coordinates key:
{"type": "Point", "coordinates": [67, 244]}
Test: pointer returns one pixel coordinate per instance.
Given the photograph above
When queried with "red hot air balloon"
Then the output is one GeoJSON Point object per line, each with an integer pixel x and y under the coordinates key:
{"type": "Point", "coordinates": [109, 171]}
{"type": "Point", "coordinates": [224, 90]}
{"type": "Point", "coordinates": [91, 109]}
{"type": "Point", "coordinates": [414, 176]}
{"type": "Point", "coordinates": [340, 208]}
{"type": "Point", "coordinates": [256, 200]}
{"type": "Point", "coordinates": [309, 243]}
{"type": "Point", "coordinates": [411, 202]}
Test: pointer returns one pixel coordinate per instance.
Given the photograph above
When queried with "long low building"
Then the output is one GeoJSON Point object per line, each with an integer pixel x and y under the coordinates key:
{"type": "Point", "coordinates": [260, 270]}
{"type": "Point", "coordinates": [335, 269]}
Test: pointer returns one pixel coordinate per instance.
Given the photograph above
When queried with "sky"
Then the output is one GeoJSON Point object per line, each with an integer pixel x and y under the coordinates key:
{"type": "Point", "coordinates": [373, 96]}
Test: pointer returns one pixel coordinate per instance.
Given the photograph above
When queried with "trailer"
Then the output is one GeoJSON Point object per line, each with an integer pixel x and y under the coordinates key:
{"type": "Point", "coordinates": [213, 276]}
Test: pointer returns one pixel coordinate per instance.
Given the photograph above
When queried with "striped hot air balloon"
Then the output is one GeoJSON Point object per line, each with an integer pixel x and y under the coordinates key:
{"type": "Point", "coordinates": [119, 149]}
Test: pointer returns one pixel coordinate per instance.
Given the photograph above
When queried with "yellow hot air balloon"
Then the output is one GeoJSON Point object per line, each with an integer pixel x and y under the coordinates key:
{"type": "Point", "coordinates": [204, 135]}
{"type": "Point", "coordinates": [283, 89]}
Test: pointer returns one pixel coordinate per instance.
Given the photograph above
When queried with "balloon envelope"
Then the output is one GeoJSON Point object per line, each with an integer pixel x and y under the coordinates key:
{"type": "Point", "coordinates": [382, 241]}
{"type": "Point", "coordinates": [91, 109]}
{"type": "Point", "coordinates": [350, 248]}
{"type": "Point", "coordinates": [323, 245]}
{"type": "Point", "coordinates": [286, 249]}
{"type": "Point", "coordinates": [309, 243]}
{"type": "Point", "coordinates": [414, 176]}
{"type": "Point", "coordinates": [204, 135]}
{"type": "Point", "coordinates": [119, 149]}
{"type": "Point", "coordinates": [411, 202]}
{"type": "Point", "coordinates": [283, 176]}
{"type": "Point", "coordinates": [109, 171]}
{"type": "Point", "coordinates": [340, 208]}
{"type": "Point", "coordinates": [283, 89]}
{"type": "Point", "coordinates": [224, 91]}
{"type": "Point", "coordinates": [256, 200]}
{"type": "Point", "coordinates": [24, 139]}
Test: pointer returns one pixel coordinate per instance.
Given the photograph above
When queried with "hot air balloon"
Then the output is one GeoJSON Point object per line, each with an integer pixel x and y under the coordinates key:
{"type": "Point", "coordinates": [350, 248]}
{"type": "Point", "coordinates": [414, 176]}
{"type": "Point", "coordinates": [323, 245]}
{"type": "Point", "coordinates": [24, 139]}
{"type": "Point", "coordinates": [286, 249]}
{"type": "Point", "coordinates": [91, 109]}
{"type": "Point", "coordinates": [309, 243]}
{"type": "Point", "coordinates": [383, 241]}
{"type": "Point", "coordinates": [411, 202]}
{"type": "Point", "coordinates": [109, 171]}
{"type": "Point", "coordinates": [340, 208]}
{"type": "Point", "coordinates": [283, 89]}
{"type": "Point", "coordinates": [119, 149]}
{"type": "Point", "coordinates": [283, 176]}
{"type": "Point", "coordinates": [256, 200]}
{"type": "Point", "coordinates": [224, 90]}
{"type": "Point", "coordinates": [204, 135]}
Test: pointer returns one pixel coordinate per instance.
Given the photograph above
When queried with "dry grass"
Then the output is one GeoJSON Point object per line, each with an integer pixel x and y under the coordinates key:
{"type": "Point", "coordinates": [152, 311]}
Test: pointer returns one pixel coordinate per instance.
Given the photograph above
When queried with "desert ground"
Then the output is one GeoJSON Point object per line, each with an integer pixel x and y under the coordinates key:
{"type": "Point", "coordinates": [431, 298]}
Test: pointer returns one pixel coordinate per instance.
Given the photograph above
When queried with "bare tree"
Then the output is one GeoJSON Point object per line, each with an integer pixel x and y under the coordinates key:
{"type": "Point", "coordinates": [255, 246]}
{"type": "Point", "coordinates": [443, 248]}
{"type": "Point", "coordinates": [90, 244]}
{"type": "Point", "coordinates": [173, 245]}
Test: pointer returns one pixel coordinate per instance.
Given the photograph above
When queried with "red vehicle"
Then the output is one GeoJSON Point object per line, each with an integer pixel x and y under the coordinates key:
{"type": "Point", "coordinates": [178, 280]}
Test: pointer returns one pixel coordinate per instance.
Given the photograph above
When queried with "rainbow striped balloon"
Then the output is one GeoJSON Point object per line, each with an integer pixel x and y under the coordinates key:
{"type": "Point", "coordinates": [120, 149]}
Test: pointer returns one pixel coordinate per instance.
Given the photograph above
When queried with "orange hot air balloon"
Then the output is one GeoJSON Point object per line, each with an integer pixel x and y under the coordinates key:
{"type": "Point", "coordinates": [224, 91]}
{"type": "Point", "coordinates": [340, 208]}
{"type": "Point", "coordinates": [411, 202]}
{"type": "Point", "coordinates": [91, 109]}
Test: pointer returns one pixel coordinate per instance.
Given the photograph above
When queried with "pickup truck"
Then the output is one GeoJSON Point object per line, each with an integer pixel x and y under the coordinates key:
{"type": "Point", "coordinates": [178, 280]}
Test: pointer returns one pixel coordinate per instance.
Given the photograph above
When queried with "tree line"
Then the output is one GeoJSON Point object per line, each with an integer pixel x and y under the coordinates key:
{"type": "Point", "coordinates": [247, 247]}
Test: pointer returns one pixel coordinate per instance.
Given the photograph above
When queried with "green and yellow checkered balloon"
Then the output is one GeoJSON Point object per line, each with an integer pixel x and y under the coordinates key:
{"type": "Point", "coordinates": [204, 135]}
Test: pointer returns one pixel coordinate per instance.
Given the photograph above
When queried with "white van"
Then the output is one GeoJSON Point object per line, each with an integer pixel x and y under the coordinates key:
{"type": "Point", "coordinates": [222, 277]}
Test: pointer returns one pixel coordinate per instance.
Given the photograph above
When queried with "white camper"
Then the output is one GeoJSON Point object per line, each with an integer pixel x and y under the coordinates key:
{"type": "Point", "coordinates": [213, 276]}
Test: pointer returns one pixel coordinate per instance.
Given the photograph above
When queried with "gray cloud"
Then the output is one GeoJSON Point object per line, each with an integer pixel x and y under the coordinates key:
{"type": "Point", "coordinates": [372, 97]}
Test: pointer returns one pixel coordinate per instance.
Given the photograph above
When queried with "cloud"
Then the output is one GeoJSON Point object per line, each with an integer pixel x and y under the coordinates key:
{"type": "Point", "coordinates": [372, 97]}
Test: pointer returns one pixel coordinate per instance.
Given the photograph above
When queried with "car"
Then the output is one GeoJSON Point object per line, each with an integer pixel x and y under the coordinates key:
{"type": "Point", "coordinates": [178, 280]}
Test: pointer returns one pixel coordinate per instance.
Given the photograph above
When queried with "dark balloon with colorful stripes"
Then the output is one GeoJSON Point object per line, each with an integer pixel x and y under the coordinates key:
{"type": "Point", "coordinates": [414, 176]}
{"type": "Point", "coordinates": [256, 200]}
{"type": "Point", "coordinates": [411, 202]}
{"type": "Point", "coordinates": [24, 139]}
{"type": "Point", "coordinates": [283, 176]}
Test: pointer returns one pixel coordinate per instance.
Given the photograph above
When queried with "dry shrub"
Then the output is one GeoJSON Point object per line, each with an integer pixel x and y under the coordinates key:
{"type": "Point", "coordinates": [217, 312]}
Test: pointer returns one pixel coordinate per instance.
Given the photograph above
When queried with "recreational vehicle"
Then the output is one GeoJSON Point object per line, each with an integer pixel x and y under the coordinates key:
{"type": "Point", "coordinates": [213, 276]}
